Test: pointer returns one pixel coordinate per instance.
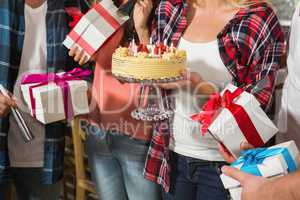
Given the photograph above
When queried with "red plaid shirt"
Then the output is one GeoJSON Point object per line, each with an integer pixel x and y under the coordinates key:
{"type": "Point", "coordinates": [251, 46]}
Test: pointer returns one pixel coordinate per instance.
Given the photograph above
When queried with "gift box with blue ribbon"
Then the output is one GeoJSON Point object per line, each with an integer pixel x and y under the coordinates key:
{"type": "Point", "coordinates": [266, 162]}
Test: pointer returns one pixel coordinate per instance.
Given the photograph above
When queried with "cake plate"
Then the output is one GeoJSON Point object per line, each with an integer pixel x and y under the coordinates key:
{"type": "Point", "coordinates": [152, 106]}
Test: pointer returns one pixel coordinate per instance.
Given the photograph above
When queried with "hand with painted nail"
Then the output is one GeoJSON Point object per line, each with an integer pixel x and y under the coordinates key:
{"type": "Point", "coordinates": [79, 55]}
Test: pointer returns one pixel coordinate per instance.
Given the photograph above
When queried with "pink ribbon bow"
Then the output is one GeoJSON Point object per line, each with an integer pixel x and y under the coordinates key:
{"type": "Point", "coordinates": [215, 104]}
{"type": "Point", "coordinates": [59, 79]}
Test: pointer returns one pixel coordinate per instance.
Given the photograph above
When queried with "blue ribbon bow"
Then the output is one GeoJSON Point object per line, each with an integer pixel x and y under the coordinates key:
{"type": "Point", "coordinates": [252, 158]}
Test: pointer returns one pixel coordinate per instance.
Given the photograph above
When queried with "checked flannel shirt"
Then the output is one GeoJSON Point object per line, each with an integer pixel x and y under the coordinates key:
{"type": "Point", "coordinates": [12, 30]}
{"type": "Point", "coordinates": [251, 46]}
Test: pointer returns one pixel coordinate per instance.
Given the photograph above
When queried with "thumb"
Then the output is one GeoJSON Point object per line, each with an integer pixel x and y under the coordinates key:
{"type": "Point", "coordinates": [235, 174]}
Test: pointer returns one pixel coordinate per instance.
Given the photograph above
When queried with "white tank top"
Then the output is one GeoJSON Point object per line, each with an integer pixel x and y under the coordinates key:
{"type": "Point", "coordinates": [187, 140]}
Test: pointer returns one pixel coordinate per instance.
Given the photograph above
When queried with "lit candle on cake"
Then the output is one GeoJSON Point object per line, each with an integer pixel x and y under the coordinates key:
{"type": "Point", "coordinates": [151, 47]}
{"type": "Point", "coordinates": [133, 47]}
{"type": "Point", "coordinates": [165, 46]}
{"type": "Point", "coordinates": [172, 48]}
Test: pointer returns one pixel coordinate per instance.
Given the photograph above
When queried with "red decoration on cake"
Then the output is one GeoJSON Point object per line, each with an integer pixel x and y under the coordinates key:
{"type": "Point", "coordinates": [160, 49]}
{"type": "Point", "coordinates": [143, 48]}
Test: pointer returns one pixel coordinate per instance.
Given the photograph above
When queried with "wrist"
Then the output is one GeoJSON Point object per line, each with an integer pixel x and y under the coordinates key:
{"type": "Point", "coordinates": [286, 186]}
{"type": "Point", "coordinates": [143, 35]}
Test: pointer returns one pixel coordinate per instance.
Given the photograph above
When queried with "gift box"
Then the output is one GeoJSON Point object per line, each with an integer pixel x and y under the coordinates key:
{"type": "Point", "coordinates": [235, 116]}
{"type": "Point", "coordinates": [54, 97]}
{"type": "Point", "coordinates": [266, 162]}
{"type": "Point", "coordinates": [95, 27]}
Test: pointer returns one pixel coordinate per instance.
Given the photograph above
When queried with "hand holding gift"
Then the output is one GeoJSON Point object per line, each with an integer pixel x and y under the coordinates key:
{"type": "Point", "coordinates": [228, 157]}
{"type": "Point", "coordinates": [5, 104]}
{"type": "Point", "coordinates": [93, 29]}
{"type": "Point", "coordinates": [233, 117]}
{"type": "Point", "coordinates": [53, 97]}
{"type": "Point", "coordinates": [253, 187]}
{"type": "Point", "coordinates": [263, 162]}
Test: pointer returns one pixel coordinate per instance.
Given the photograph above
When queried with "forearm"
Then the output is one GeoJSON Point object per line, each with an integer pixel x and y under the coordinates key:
{"type": "Point", "coordinates": [144, 36]}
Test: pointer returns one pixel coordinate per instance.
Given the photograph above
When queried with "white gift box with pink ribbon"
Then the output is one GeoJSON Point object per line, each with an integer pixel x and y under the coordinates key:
{"type": "Point", "coordinates": [95, 27]}
{"type": "Point", "coordinates": [55, 100]}
{"type": "Point", "coordinates": [235, 116]}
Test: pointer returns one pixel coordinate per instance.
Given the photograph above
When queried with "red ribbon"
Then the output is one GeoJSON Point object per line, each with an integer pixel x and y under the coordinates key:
{"type": "Point", "coordinates": [61, 80]}
{"type": "Point", "coordinates": [215, 104]}
{"type": "Point", "coordinates": [76, 14]}
{"type": "Point", "coordinates": [109, 18]}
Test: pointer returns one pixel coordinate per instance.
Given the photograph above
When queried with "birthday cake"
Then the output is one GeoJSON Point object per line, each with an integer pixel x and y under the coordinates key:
{"type": "Point", "coordinates": [151, 62]}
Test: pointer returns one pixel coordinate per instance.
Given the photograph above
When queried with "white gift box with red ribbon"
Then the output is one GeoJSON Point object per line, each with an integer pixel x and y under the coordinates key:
{"type": "Point", "coordinates": [95, 27]}
{"type": "Point", "coordinates": [51, 101]}
{"type": "Point", "coordinates": [235, 116]}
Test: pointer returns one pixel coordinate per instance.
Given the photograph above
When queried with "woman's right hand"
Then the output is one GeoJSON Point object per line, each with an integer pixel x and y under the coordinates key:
{"type": "Point", "coordinates": [141, 13]}
{"type": "Point", "coordinates": [5, 105]}
{"type": "Point", "coordinates": [79, 55]}
{"type": "Point", "coordinates": [228, 157]}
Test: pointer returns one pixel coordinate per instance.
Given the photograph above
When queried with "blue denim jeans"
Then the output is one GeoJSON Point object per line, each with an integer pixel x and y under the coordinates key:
{"type": "Point", "coordinates": [117, 164]}
{"type": "Point", "coordinates": [195, 179]}
{"type": "Point", "coordinates": [29, 187]}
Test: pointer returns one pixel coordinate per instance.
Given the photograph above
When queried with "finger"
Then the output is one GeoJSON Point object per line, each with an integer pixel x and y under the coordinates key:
{"type": "Point", "coordinates": [143, 4]}
{"type": "Point", "coordinates": [83, 60]}
{"type": "Point", "coordinates": [138, 5]}
{"type": "Point", "coordinates": [246, 146]}
{"type": "Point", "coordinates": [73, 51]}
{"type": "Point", "coordinates": [184, 84]}
{"type": "Point", "coordinates": [185, 73]}
{"type": "Point", "coordinates": [4, 110]}
{"type": "Point", "coordinates": [8, 102]}
{"type": "Point", "coordinates": [226, 154]}
{"type": "Point", "coordinates": [175, 85]}
{"type": "Point", "coordinates": [149, 3]}
{"type": "Point", "coordinates": [13, 103]}
{"type": "Point", "coordinates": [235, 174]}
{"type": "Point", "coordinates": [166, 86]}
{"type": "Point", "coordinates": [79, 55]}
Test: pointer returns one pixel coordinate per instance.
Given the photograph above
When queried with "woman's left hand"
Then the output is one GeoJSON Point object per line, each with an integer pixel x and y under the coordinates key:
{"type": "Point", "coordinates": [191, 81]}
{"type": "Point", "coordinates": [141, 13]}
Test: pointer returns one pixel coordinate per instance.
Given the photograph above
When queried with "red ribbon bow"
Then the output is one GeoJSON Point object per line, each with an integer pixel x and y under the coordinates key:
{"type": "Point", "coordinates": [76, 15]}
{"type": "Point", "coordinates": [216, 103]}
